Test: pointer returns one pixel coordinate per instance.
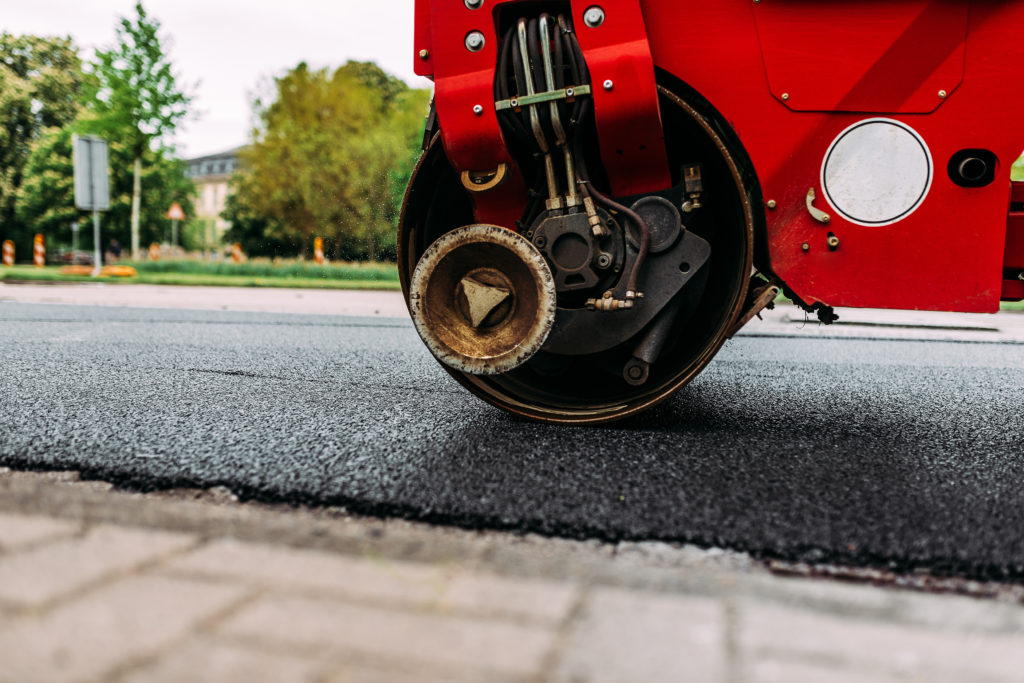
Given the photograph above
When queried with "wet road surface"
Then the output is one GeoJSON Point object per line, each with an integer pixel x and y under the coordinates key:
{"type": "Point", "coordinates": [895, 452]}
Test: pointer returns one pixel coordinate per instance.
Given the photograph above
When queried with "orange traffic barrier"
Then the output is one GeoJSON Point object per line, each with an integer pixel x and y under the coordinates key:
{"type": "Point", "coordinates": [154, 252]}
{"type": "Point", "coordinates": [8, 253]}
{"type": "Point", "coordinates": [75, 270]}
{"type": "Point", "coordinates": [318, 250]}
{"type": "Point", "coordinates": [118, 271]}
{"type": "Point", "coordinates": [39, 251]}
{"type": "Point", "coordinates": [236, 253]}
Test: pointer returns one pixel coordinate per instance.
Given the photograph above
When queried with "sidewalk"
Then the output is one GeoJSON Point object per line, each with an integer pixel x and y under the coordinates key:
{"type": "Point", "coordinates": [98, 584]}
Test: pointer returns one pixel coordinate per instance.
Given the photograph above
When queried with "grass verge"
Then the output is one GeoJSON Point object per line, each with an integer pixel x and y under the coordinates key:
{"type": "Point", "coordinates": [356, 277]}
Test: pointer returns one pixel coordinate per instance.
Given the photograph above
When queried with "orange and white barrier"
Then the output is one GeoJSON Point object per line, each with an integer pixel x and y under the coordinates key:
{"type": "Point", "coordinates": [318, 250]}
{"type": "Point", "coordinates": [39, 251]}
{"type": "Point", "coordinates": [236, 253]}
{"type": "Point", "coordinates": [8, 253]}
{"type": "Point", "coordinates": [154, 252]}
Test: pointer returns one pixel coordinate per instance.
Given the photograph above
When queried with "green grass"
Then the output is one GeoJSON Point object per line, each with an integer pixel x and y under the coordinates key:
{"type": "Point", "coordinates": [354, 276]}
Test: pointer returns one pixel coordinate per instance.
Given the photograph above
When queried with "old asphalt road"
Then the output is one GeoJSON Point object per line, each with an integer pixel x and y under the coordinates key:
{"type": "Point", "coordinates": [873, 444]}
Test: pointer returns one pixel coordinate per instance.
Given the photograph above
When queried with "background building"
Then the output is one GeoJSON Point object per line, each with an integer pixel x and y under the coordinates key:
{"type": "Point", "coordinates": [210, 174]}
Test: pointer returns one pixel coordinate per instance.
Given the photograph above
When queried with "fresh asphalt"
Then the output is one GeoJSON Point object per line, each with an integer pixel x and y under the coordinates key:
{"type": "Point", "coordinates": [883, 452]}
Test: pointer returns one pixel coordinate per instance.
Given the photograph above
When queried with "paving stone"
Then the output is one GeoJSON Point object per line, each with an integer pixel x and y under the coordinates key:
{"type": "Point", "coordinates": [775, 671]}
{"type": "Point", "coordinates": [288, 569]}
{"type": "Point", "coordinates": [64, 568]}
{"type": "Point", "coordinates": [443, 640]}
{"type": "Point", "coordinates": [17, 531]}
{"type": "Point", "coordinates": [86, 638]}
{"type": "Point", "coordinates": [866, 644]}
{"type": "Point", "coordinates": [535, 600]}
{"type": "Point", "coordinates": [633, 636]}
{"type": "Point", "coordinates": [205, 662]}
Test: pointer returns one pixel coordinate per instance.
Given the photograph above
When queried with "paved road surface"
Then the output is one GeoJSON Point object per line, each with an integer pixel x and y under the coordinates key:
{"type": "Point", "coordinates": [897, 451]}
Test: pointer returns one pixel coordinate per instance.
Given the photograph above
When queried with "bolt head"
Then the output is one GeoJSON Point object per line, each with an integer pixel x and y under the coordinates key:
{"type": "Point", "coordinates": [942, 94]}
{"type": "Point", "coordinates": [805, 246]}
{"type": "Point", "coordinates": [475, 41]}
{"type": "Point", "coordinates": [474, 4]}
{"type": "Point", "coordinates": [785, 96]}
{"type": "Point", "coordinates": [772, 204]}
{"type": "Point", "coordinates": [424, 54]}
{"type": "Point", "coordinates": [478, 110]}
{"type": "Point", "coordinates": [593, 16]}
{"type": "Point", "coordinates": [608, 85]}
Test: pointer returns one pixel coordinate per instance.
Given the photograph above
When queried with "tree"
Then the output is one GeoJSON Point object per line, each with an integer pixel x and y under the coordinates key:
{"type": "Point", "coordinates": [327, 154]}
{"type": "Point", "coordinates": [46, 200]}
{"type": "Point", "coordinates": [139, 100]}
{"type": "Point", "coordinates": [41, 85]}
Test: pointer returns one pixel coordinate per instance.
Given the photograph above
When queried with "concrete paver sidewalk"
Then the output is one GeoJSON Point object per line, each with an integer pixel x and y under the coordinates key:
{"type": "Point", "coordinates": [103, 585]}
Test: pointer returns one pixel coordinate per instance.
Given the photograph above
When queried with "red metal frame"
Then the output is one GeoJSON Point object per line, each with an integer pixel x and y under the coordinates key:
{"type": "Point", "coordinates": [839, 62]}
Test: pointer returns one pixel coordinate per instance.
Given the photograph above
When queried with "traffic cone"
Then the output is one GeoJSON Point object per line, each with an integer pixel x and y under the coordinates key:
{"type": "Point", "coordinates": [39, 251]}
{"type": "Point", "coordinates": [8, 253]}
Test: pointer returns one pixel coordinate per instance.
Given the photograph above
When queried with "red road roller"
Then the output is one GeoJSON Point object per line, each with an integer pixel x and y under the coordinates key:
{"type": "Point", "coordinates": [610, 189]}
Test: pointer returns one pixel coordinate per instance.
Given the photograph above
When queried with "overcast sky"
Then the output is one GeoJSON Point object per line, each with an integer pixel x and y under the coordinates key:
{"type": "Point", "coordinates": [222, 48]}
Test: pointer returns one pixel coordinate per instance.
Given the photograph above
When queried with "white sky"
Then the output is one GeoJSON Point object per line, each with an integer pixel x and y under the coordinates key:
{"type": "Point", "coordinates": [222, 48]}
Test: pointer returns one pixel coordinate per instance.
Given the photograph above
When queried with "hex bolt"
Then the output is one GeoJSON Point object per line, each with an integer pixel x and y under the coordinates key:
{"type": "Point", "coordinates": [593, 17]}
{"type": "Point", "coordinates": [478, 110]}
{"type": "Point", "coordinates": [604, 260]}
{"type": "Point", "coordinates": [474, 4]}
{"type": "Point", "coordinates": [475, 41]}
{"type": "Point", "coordinates": [608, 85]}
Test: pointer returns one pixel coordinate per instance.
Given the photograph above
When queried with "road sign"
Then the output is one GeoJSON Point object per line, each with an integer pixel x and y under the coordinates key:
{"type": "Point", "coordinates": [92, 185]}
{"type": "Point", "coordinates": [176, 213]}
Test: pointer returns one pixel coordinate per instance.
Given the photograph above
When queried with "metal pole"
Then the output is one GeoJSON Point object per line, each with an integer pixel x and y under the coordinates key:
{"type": "Point", "coordinates": [74, 240]}
{"type": "Point", "coordinates": [97, 259]}
{"type": "Point", "coordinates": [174, 233]}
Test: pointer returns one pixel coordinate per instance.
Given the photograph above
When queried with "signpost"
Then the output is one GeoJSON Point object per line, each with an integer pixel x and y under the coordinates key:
{"type": "Point", "coordinates": [92, 185]}
{"type": "Point", "coordinates": [175, 213]}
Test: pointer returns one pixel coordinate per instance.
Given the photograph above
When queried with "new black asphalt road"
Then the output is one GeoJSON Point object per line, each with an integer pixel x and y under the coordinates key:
{"type": "Point", "coordinates": [890, 452]}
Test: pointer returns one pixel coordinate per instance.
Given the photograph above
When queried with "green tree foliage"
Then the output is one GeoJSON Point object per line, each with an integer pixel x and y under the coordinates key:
{"type": "Point", "coordinates": [329, 159]}
{"type": "Point", "coordinates": [46, 198]}
{"type": "Point", "coordinates": [139, 101]}
{"type": "Point", "coordinates": [41, 86]}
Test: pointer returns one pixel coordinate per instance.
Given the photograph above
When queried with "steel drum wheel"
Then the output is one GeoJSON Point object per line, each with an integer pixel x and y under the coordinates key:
{"type": "Point", "coordinates": [579, 392]}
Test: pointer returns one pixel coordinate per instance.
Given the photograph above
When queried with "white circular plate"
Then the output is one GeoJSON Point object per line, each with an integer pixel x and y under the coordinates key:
{"type": "Point", "coordinates": [877, 172]}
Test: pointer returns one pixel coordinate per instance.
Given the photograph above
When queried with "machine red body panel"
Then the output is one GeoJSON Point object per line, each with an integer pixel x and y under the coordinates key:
{"type": "Point", "coordinates": [789, 76]}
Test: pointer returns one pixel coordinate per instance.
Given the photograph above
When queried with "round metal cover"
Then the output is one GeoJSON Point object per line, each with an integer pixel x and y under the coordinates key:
{"type": "Point", "coordinates": [482, 299]}
{"type": "Point", "coordinates": [877, 172]}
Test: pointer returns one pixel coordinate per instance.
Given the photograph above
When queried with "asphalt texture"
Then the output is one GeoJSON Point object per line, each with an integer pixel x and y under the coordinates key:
{"type": "Point", "coordinates": [898, 453]}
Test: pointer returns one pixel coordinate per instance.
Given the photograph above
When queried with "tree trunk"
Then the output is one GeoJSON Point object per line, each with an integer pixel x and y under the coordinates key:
{"type": "Point", "coordinates": [136, 203]}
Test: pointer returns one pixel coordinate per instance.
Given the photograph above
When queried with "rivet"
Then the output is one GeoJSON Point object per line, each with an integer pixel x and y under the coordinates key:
{"type": "Point", "coordinates": [593, 17]}
{"type": "Point", "coordinates": [478, 110]}
{"type": "Point", "coordinates": [805, 246]}
{"type": "Point", "coordinates": [474, 4]}
{"type": "Point", "coordinates": [608, 85]}
{"type": "Point", "coordinates": [785, 96]}
{"type": "Point", "coordinates": [424, 54]}
{"type": "Point", "coordinates": [475, 41]}
{"type": "Point", "coordinates": [771, 204]}
{"type": "Point", "coordinates": [943, 93]}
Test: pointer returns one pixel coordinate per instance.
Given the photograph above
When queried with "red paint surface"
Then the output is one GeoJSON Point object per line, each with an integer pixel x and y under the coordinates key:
{"type": "Point", "coordinates": [880, 56]}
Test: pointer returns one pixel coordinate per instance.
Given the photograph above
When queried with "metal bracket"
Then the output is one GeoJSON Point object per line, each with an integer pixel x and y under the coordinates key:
{"type": "Point", "coordinates": [538, 98]}
{"type": "Point", "coordinates": [816, 213]}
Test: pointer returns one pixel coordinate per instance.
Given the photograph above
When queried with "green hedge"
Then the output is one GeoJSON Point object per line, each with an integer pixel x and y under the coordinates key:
{"type": "Point", "coordinates": [381, 272]}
